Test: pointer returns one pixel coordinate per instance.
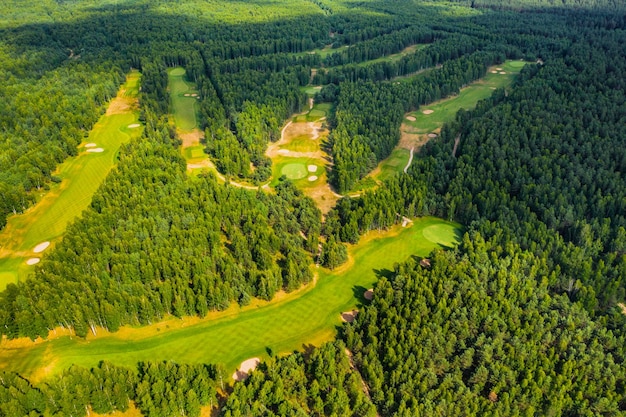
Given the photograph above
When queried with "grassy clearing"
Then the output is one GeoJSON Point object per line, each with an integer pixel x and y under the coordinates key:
{"type": "Point", "coordinates": [296, 169]}
{"type": "Point", "coordinates": [291, 321]}
{"type": "Point", "coordinates": [302, 143]}
{"type": "Point", "coordinates": [319, 111]}
{"type": "Point", "coordinates": [81, 176]}
{"type": "Point", "coordinates": [183, 103]}
{"type": "Point", "coordinates": [446, 109]}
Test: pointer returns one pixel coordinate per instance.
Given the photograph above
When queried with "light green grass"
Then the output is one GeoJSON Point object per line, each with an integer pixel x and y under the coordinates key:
{"type": "Point", "coordinates": [445, 110]}
{"type": "Point", "coordinates": [280, 163]}
{"type": "Point", "coordinates": [294, 171]}
{"type": "Point", "coordinates": [311, 90]}
{"type": "Point", "coordinates": [81, 176]}
{"type": "Point", "coordinates": [183, 108]}
{"type": "Point", "coordinates": [310, 316]}
{"type": "Point", "coordinates": [394, 164]}
{"type": "Point", "coordinates": [302, 143]}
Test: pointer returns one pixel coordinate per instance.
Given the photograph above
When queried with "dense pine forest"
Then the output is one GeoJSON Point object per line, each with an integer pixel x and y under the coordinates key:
{"type": "Point", "coordinates": [525, 316]}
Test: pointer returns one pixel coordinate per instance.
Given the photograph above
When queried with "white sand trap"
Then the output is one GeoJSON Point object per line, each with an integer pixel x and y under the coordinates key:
{"type": "Point", "coordinates": [498, 69]}
{"type": "Point", "coordinates": [494, 72]}
{"type": "Point", "coordinates": [349, 316]}
{"type": "Point", "coordinates": [283, 151]}
{"type": "Point", "coordinates": [95, 150]}
{"type": "Point", "coordinates": [502, 72]}
{"type": "Point", "coordinates": [428, 111]}
{"type": "Point", "coordinates": [312, 168]}
{"type": "Point", "coordinates": [33, 261]}
{"type": "Point", "coordinates": [312, 178]}
{"type": "Point", "coordinates": [187, 95]}
{"type": "Point", "coordinates": [90, 145]}
{"type": "Point", "coordinates": [41, 247]}
{"type": "Point", "coordinates": [194, 95]}
{"type": "Point", "coordinates": [245, 368]}
{"type": "Point", "coordinates": [134, 125]}
{"type": "Point", "coordinates": [410, 118]}
{"type": "Point", "coordinates": [432, 135]}
{"type": "Point", "coordinates": [369, 294]}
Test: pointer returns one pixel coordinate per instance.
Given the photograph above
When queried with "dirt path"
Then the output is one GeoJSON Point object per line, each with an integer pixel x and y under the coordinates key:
{"type": "Point", "coordinates": [408, 164]}
{"type": "Point", "coordinates": [457, 140]}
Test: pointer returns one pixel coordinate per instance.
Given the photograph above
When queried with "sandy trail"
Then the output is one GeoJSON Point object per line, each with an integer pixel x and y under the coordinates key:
{"type": "Point", "coordinates": [457, 140]}
{"type": "Point", "coordinates": [408, 164]}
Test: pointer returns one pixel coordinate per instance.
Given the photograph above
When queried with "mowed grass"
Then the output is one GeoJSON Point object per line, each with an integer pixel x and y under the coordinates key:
{"type": "Point", "coordinates": [302, 143]}
{"type": "Point", "coordinates": [446, 109]}
{"type": "Point", "coordinates": [319, 111]}
{"type": "Point", "coordinates": [394, 164]}
{"type": "Point", "coordinates": [81, 176]}
{"type": "Point", "coordinates": [296, 169]}
{"type": "Point", "coordinates": [183, 108]}
{"type": "Point", "coordinates": [292, 321]}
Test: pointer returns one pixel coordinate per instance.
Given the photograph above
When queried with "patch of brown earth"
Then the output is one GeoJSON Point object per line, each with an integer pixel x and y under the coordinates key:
{"type": "Point", "coordinates": [191, 138]}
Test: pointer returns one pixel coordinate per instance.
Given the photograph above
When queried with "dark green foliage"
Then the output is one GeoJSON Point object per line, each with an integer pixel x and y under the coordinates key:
{"type": "Point", "coordinates": [480, 334]}
{"type": "Point", "coordinates": [319, 383]}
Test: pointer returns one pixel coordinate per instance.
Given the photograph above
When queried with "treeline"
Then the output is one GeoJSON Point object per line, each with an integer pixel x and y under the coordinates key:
{"type": "Point", "coordinates": [479, 333]}
{"type": "Point", "coordinates": [368, 117]}
{"type": "Point", "coordinates": [156, 388]}
{"type": "Point", "coordinates": [321, 382]}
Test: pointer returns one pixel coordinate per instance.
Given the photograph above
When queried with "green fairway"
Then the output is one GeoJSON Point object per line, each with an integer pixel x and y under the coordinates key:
{"type": "Point", "coordinates": [184, 99]}
{"type": "Point", "coordinates": [319, 111]}
{"type": "Point", "coordinates": [394, 164]}
{"type": "Point", "coordinates": [81, 176]}
{"type": "Point", "coordinates": [293, 321]}
{"type": "Point", "coordinates": [446, 109]}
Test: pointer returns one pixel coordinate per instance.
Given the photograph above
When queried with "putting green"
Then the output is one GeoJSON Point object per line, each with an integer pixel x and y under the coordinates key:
{"type": "Point", "coordinates": [81, 176]}
{"type": "Point", "coordinates": [291, 321]}
{"type": "Point", "coordinates": [294, 171]}
{"type": "Point", "coordinates": [442, 234]}
{"type": "Point", "coordinates": [177, 72]}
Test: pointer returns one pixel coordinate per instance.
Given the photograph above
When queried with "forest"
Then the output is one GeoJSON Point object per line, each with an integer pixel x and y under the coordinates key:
{"type": "Point", "coordinates": [525, 316]}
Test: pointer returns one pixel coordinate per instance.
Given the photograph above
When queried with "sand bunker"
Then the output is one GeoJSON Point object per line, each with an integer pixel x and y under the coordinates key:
{"type": "Point", "coordinates": [245, 368]}
{"type": "Point", "coordinates": [283, 151]}
{"type": "Point", "coordinates": [432, 135]}
{"type": "Point", "coordinates": [312, 168]}
{"type": "Point", "coordinates": [494, 72]}
{"type": "Point", "coordinates": [95, 150]}
{"type": "Point", "coordinates": [349, 316]}
{"type": "Point", "coordinates": [410, 118]}
{"type": "Point", "coordinates": [33, 261]}
{"type": "Point", "coordinates": [187, 95]}
{"type": "Point", "coordinates": [498, 69]}
{"type": "Point", "coordinates": [41, 247]}
{"type": "Point", "coordinates": [194, 95]}
{"type": "Point", "coordinates": [369, 294]}
{"type": "Point", "coordinates": [312, 178]}
{"type": "Point", "coordinates": [502, 72]}
{"type": "Point", "coordinates": [428, 111]}
{"type": "Point", "coordinates": [90, 145]}
{"type": "Point", "coordinates": [134, 125]}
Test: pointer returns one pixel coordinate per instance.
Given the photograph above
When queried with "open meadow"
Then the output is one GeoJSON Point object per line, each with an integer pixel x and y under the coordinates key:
{"type": "Point", "coordinates": [80, 178]}
{"type": "Point", "coordinates": [309, 316]}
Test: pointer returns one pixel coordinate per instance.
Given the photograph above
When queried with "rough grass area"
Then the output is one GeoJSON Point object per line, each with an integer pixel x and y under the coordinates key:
{"type": "Point", "coordinates": [302, 143]}
{"type": "Point", "coordinates": [291, 321]}
{"type": "Point", "coordinates": [183, 107]}
{"type": "Point", "coordinates": [81, 176]}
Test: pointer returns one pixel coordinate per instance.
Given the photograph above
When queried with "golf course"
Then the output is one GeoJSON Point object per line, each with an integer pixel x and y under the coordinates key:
{"type": "Point", "coordinates": [308, 316]}
{"type": "Point", "coordinates": [425, 123]}
{"type": "Point", "coordinates": [26, 236]}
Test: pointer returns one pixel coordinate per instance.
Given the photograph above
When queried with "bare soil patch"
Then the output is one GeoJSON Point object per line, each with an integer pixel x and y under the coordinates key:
{"type": "Point", "coordinates": [324, 197]}
{"type": "Point", "coordinates": [41, 247]}
{"type": "Point", "coordinates": [349, 316]}
{"type": "Point", "coordinates": [191, 138]}
{"type": "Point", "coordinates": [121, 104]}
{"type": "Point", "coordinates": [245, 368]}
{"type": "Point", "coordinates": [33, 261]}
{"type": "Point", "coordinates": [411, 118]}
{"type": "Point", "coordinates": [369, 294]}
